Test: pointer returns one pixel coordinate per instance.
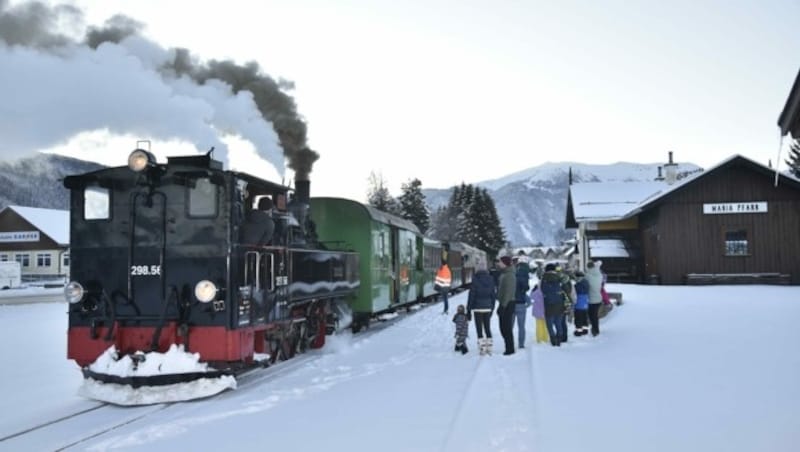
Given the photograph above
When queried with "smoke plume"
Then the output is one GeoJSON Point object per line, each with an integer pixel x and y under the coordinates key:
{"type": "Point", "coordinates": [113, 78]}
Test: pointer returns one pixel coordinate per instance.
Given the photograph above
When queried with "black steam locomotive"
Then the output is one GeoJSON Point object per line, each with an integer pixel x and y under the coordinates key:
{"type": "Point", "coordinates": [187, 253]}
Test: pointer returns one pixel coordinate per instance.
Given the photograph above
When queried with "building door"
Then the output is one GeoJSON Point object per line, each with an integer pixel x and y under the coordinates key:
{"type": "Point", "coordinates": [651, 271]}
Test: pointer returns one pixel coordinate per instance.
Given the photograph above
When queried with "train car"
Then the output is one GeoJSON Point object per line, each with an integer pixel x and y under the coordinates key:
{"type": "Point", "coordinates": [170, 254]}
{"type": "Point", "coordinates": [432, 255]}
{"type": "Point", "coordinates": [471, 257]}
{"type": "Point", "coordinates": [390, 250]}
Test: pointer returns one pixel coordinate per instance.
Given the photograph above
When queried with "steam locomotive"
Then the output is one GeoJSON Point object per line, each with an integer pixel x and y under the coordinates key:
{"type": "Point", "coordinates": [230, 266]}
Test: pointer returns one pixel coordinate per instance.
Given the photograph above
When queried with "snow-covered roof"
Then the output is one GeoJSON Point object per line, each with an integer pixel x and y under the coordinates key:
{"type": "Point", "coordinates": [52, 222]}
{"type": "Point", "coordinates": [609, 201]}
{"type": "Point", "coordinates": [607, 248]}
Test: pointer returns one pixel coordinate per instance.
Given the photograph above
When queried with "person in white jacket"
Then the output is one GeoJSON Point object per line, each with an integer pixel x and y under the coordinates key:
{"type": "Point", "coordinates": [595, 280]}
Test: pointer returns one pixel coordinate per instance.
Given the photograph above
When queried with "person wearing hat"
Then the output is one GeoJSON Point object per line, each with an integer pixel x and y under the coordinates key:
{"type": "Point", "coordinates": [505, 295]}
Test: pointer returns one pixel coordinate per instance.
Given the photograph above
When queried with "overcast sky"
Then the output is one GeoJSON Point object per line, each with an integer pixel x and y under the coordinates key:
{"type": "Point", "coordinates": [473, 90]}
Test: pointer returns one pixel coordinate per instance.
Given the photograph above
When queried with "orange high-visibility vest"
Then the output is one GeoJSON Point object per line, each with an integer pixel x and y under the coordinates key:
{"type": "Point", "coordinates": [443, 276]}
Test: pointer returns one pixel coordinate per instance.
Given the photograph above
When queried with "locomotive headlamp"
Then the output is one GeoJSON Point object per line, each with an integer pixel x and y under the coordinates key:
{"type": "Point", "coordinates": [73, 292]}
{"type": "Point", "coordinates": [140, 160]}
{"type": "Point", "coordinates": [205, 291]}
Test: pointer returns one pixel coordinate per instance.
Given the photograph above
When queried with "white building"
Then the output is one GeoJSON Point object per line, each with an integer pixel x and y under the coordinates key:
{"type": "Point", "coordinates": [36, 238]}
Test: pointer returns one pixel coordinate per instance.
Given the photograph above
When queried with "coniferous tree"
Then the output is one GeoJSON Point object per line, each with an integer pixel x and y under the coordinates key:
{"type": "Point", "coordinates": [490, 235]}
{"type": "Point", "coordinates": [412, 205]}
{"type": "Point", "coordinates": [794, 158]}
{"type": "Point", "coordinates": [378, 195]}
{"type": "Point", "coordinates": [470, 217]}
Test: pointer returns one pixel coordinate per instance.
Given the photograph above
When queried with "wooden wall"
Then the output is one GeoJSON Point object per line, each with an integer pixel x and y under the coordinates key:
{"type": "Point", "coordinates": [678, 238]}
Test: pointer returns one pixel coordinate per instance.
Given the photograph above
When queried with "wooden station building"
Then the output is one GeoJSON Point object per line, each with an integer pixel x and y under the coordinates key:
{"type": "Point", "coordinates": [737, 222]}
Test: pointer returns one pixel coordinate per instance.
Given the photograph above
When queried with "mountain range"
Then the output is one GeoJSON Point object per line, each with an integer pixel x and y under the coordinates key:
{"type": "Point", "coordinates": [36, 181]}
{"type": "Point", "coordinates": [531, 203]}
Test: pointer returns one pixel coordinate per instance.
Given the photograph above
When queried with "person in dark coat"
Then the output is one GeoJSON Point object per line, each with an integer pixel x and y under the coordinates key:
{"type": "Point", "coordinates": [259, 227]}
{"type": "Point", "coordinates": [521, 297]}
{"type": "Point", "coordinates": [480, 303]}
{"type": "Point", "coordinates": [505, 295]}
{"type": "Point", "coordinates": [581, 304]}
{"type": "Point", "coordinates": [554, 306]}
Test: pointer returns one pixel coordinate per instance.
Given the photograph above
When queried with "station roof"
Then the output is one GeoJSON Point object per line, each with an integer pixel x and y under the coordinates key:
{"type": "Point", "coordinates": [51, 222]}
{"type": "Point", "coordinates": [613, 201]}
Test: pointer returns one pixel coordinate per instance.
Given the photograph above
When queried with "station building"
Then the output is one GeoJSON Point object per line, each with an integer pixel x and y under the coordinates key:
{"type": "Point", "coordinates": [737, 222]}
{"type": "Point", "coordinates": [36, 238]}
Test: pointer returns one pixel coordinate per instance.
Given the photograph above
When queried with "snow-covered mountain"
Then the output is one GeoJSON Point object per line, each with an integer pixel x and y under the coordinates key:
{"type": "Point", "coordinates": [36, 181]}
{"type": "Point", "coordinates": [532, 203]}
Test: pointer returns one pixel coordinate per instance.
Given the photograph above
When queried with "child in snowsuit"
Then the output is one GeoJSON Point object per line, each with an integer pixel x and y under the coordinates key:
{"type": "Point", "coordinates": [581, 305]}
{"type": "Point", "coordinates": [462, 325]}
{"type": "Point", "coordinates": [538, 313]}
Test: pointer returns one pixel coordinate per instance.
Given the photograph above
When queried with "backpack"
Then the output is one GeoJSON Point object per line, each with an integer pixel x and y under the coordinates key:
{"type": "Point", "coordinates": [551, 289]}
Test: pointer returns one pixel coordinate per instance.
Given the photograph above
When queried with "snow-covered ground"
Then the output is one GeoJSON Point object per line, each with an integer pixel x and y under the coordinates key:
{"type": "Point", "coordinates": [674, 369]}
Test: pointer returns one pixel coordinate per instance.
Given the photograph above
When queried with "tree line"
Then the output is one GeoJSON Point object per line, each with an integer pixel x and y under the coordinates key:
{"type": "Point", "coordinates": [470, 215]}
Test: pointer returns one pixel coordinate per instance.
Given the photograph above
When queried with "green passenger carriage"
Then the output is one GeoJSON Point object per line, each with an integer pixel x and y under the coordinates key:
{"type": "Point", "coordinates": [390, 250]}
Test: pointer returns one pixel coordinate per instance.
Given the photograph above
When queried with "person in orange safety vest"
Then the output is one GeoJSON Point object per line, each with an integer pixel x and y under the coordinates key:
{"type": "Point", "coordinates": [442, 283]}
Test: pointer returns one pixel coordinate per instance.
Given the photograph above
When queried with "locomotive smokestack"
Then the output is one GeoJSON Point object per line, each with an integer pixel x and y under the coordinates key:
{"type": "Point", "coordinates": [302, 190]}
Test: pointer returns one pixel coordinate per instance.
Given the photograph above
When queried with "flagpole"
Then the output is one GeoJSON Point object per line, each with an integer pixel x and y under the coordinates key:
{"type": "Point", "coordinates": [778, 161]}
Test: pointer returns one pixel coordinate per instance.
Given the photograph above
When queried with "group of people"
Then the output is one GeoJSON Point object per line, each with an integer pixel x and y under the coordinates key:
{"type": "Point", "coordinates": [555, 301]}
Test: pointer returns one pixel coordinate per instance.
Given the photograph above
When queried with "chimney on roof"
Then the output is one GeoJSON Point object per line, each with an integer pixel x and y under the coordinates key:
{"type": "Point", "coordinates": [660, 176]}
{"type": "Point", "coordinates": [671, 170]}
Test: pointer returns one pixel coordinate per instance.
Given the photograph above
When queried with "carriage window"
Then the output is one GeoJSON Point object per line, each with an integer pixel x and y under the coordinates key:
{"type": "Point", "coordinates": [736, 242]}
{"type": "Point", "coordinates": [96, 203]}
{"type": "Point", "coordinates": [203, 199]}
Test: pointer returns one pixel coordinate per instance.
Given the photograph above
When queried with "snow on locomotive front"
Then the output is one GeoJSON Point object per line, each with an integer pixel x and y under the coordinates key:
{"type": "Point", "coordinates": [173, 285]}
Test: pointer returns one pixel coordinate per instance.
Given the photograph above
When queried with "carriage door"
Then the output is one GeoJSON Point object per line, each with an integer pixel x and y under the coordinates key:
{"type": "Point", "coordinates": [394, 261]}
{"type": "Point", "coordinates": [147, 249]}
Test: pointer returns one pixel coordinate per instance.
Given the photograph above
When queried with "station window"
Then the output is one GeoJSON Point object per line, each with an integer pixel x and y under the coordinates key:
{"type": "Point", "coordinates": [203, 198]}
{"type": "Point", "coordinates": [3, 257]}
{"type": "Point", "coordinates": [65, 260]}
{"type": "Point", "coordinates": [23, 259]}
{"type": "Point", "coordinates": [43, 260]}
{"type": "Point", "coordinates": [96, 203]}
{"type": "Point", "coordinates": [736, 243]}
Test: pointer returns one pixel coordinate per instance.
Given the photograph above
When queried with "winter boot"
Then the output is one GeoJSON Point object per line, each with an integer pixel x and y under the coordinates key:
{"type": "Point", "coordinates": [488, 345]}
{"type": "Point", "coordinates": [464, 348]}
{"type": "Point", "coordinates": [481, 346]}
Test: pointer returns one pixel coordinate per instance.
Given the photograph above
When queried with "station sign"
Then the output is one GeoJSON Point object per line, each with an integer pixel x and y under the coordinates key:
{"type": "Point", "coordinates": [19, 236]}
{"type": "Point", "coordinates": [735, 207]}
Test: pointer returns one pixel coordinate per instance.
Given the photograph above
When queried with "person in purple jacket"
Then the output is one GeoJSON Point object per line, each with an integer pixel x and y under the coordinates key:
{"type": "Point", "coordinates": [538, 313]}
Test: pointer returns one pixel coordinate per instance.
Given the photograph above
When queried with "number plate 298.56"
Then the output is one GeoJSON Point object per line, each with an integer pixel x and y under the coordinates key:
{"type": "Point", "coordinates": [145, 270]}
